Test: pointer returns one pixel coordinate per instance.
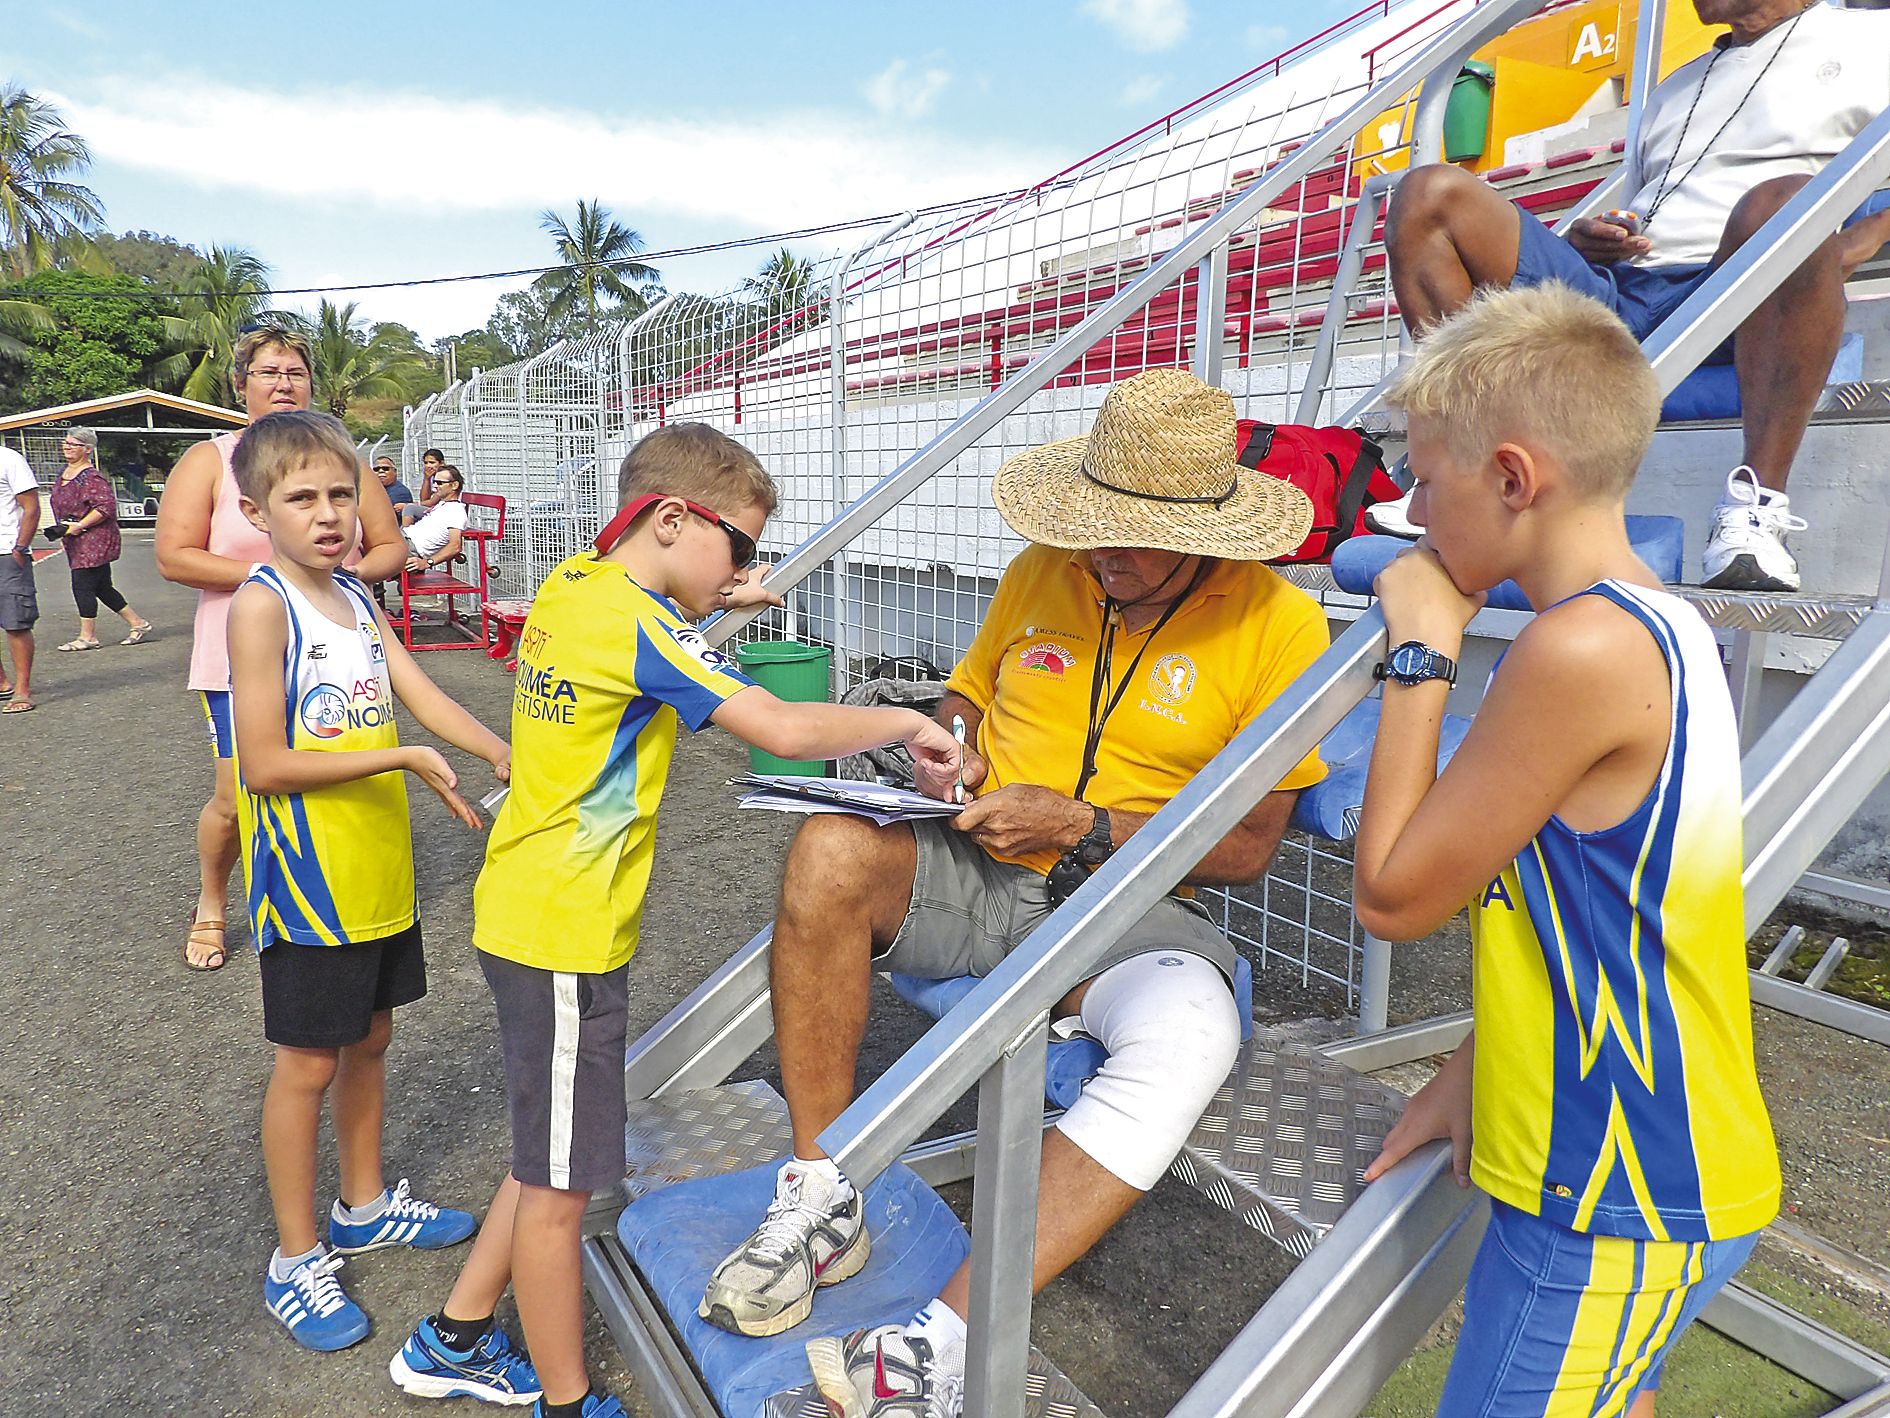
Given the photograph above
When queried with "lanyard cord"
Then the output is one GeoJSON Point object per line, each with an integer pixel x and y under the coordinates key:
{"type": "Point", "coordinates": [1667, 189]}
{"type": "Point", "coordinates": [1099, 678]}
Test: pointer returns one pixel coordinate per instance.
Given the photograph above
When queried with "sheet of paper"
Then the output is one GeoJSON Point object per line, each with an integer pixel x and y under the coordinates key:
{"type": "Point", "coordinates": [879, 801]}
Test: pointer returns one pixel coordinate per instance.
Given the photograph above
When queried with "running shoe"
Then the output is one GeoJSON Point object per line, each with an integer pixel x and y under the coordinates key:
{"type": "Point", "coordinates": [880, 1373]}
{"type": "Point", "coordinates": [1393, 519]}
{"type": "Point", "coordinates": [311, 1303]}
{"type": "Point", "coordinates": [493, 1372]}
{"type": "Point", "coordinates": [1746, 551]}
{"type": "Point", "coordinates": [808, 1239]}
{"type": "Point", "coordinates": [407, 1221]}
{"type": "Point", "coordinates": [595, 1405]}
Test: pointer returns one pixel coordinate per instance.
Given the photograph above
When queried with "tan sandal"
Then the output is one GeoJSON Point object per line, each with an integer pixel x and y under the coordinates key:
{"type": "Point", "coordinates": [214, 956]}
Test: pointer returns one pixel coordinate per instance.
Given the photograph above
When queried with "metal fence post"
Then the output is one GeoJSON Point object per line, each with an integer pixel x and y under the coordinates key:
{"type": "Point", "coordinates": [1004, 1225]}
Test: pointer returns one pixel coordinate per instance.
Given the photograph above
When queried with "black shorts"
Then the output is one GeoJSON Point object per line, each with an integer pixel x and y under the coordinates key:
{"type": "Point", "coordinates": [326, 996]}
{"type": "Point", "coordinates": [563, 1036]}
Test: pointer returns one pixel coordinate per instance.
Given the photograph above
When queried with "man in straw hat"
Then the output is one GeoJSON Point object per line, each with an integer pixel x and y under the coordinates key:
{"type": "Point", "coordinates": [1123, 650]}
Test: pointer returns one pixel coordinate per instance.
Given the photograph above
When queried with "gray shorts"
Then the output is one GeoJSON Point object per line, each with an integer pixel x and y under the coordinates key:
{"type": "Point", "coordinates": [19, 598]}
{"type": "Point", "coordinates": [970, 910]}
{"type": "Point", "coordinates": [563, 1036]}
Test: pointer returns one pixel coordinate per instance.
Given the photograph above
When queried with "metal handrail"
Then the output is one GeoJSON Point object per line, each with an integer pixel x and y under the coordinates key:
{"type": "Point", "coordinates": [1484, 23]}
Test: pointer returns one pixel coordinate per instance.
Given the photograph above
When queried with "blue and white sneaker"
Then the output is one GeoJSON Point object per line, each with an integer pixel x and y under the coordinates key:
{"type": "Point", "coordinates": [311, 1302]}
{"type": "Point", "coordinates": [407, 1221]}
{"type": "Point", "coordinates": [596, 1405]}
{"type": "Point", "coordinates": [494, 1372]}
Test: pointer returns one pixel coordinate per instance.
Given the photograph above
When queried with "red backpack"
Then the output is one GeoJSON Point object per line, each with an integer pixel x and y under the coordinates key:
{"type": "Point", "coordinates": [1340, 469]}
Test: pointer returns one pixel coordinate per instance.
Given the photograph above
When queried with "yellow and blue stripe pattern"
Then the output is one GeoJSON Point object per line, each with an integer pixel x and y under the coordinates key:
{"type": "Point", "coordinates": [606, 671]}
{"type": "Point", "coordinates": [1615, 1090]}
{"type": "Point", "coordinates": [1561, 1325]}
{"type": "Point", "coordinates": [334, 865]}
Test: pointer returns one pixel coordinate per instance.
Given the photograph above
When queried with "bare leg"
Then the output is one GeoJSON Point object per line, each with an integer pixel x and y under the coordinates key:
{"type": "Point", "coordinates": [488, 1269]}
{"type": "Point", "coordinates": [548, 1282]}
{"type": "Point", "coordinates": [1078, 1200]}
{"type": "Point", "coordinates": [292, 1112]}
{"type": "Point", "coordinates": [88, 627]}
{"type": "Point", "coordinates": [131, 617]}
{"type": "Point", "coordinates": [1785, 347]}
{"type": "Point", "coordinates": [20, 642]}
{"type": "Point", "coordinates": [360, 1104]}
{"type": "Point", "coordinates": [847, 888]}
{"type": "Point", "coordinates": [216, 857]}
{"type": "Point", "coordinates": [1448, 232]}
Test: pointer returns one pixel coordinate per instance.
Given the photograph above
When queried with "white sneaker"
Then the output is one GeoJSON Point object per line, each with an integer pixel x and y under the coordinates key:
{"type": "Point", "coordinates": [1393, 519]}
{"type": "Point", "coordinates": [1746, 551]}
{"type": "Point", "coordinates": [883, 1373]}
{"type": "Point", "coordinates": [811, 1237]}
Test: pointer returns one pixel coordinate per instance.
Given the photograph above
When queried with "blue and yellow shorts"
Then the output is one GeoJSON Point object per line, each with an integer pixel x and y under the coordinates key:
{"type": "Point", "coordinates": [1558, 1324]}
{"type": "Point", "coordinates": [216, 713]}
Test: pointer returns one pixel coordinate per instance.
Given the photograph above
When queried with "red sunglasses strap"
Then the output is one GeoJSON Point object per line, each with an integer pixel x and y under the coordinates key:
{"type": "Point", "coordinates": [628, 513]}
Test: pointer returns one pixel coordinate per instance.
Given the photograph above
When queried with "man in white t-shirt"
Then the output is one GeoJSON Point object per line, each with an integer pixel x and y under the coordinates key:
{"type": "Point", "coordinates": [19, 602]}
{"type": "Point", "coordinates": [1725, 141]}
{"type": "Point", "coordinates": [435, 538]}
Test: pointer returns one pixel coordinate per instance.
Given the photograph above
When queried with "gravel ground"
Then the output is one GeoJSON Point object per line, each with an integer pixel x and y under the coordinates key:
{"type": "Point", "coordinates": [138, 1224]}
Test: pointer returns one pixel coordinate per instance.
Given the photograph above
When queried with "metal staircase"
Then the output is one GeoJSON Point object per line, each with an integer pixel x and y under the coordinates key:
{"type": "Point", "coordinates": [1283, 1144]}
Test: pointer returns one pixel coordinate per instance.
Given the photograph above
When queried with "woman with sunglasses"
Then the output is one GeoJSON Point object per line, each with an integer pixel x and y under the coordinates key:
{"type": "Point", "coordinates": [205, 541]}
{"type": "Point", "coordinates": [85, 513]}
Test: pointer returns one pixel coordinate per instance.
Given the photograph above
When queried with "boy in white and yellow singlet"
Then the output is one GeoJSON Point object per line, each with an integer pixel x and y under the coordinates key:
{"type": "Point", "coordinates": [1606, 1098]}
{"type": "Point", "coordinates": [328, 857]}
{"type": "Point", "coordinates": [609, 665]}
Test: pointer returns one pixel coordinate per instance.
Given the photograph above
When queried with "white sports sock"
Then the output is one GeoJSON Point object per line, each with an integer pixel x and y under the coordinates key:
{"type": "Point", "coordinates": [281, 1267]}
{"type": "Point", "coordinates": [361, 1215]}
{"type": "Point", "coordinates": [828, 1171]}
{"type": "Point", "coordinates": [940, 1326]}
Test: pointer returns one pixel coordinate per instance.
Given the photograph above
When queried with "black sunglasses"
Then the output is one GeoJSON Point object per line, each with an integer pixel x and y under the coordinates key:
{"type": "Point", "coordinates": [742, 549]}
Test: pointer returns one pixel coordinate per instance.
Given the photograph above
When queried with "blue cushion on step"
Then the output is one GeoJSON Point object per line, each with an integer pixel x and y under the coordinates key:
{"type": "Point", "coordinates": [1330, 807]}
{"type": "Point", "coordinates": [1712, 390]}
{"type": "Point", "coordinates": [1658, 541]}
{"type": "Point", "coordinates": [678, 1235]}
{"type": "Point", "coordinates": [1068, 1063]}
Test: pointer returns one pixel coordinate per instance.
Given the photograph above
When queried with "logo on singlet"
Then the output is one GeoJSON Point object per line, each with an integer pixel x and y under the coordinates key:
{"type": "Point", "coordinates": [324, 711]}
{"type": "Point", "coordinates": [690, 639]}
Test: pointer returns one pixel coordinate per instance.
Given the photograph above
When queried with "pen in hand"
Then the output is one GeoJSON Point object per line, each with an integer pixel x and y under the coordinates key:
{"type": "Point", "coordinates": [958, 732]}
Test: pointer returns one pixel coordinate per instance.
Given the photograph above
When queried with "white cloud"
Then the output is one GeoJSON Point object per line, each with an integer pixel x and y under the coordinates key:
{"type": "Point", "coordinates": [1145, 25]}
{"type": "Point", "coordinates": [1143, 90]}
{"type": "Point", "coordinates": [421, 154]}
{"type": "Point", "coordinates": [899, 91]}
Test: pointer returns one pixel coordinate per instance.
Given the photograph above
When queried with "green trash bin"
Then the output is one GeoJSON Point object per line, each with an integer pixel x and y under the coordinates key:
{"type": "Point", "coordinates": [788, 670]}
{"type": "Point", "coordinates": [1467, 114]}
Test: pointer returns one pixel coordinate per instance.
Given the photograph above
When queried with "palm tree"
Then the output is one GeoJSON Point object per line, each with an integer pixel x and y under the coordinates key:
{"type": "Point", "coordinates": [40, 203]}
{"type": "Point", "coordinates": [598, 274]}
{"type": "Point", "coordinates": [351, 364]}
{"type": "Point", "coordinates": [226, 291]}
{"type": "Point", "coordinates": [784, 284]}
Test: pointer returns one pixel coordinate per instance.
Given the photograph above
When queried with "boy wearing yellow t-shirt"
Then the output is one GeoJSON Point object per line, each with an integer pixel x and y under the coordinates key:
{"type": "Point", "coordinates": [608, 665]}
{"type": "Point", "coordinates": [1606, 1099]}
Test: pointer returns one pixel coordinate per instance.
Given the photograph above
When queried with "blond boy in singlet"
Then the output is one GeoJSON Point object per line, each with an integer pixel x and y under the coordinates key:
{"type": "Point", "coordinates": [328, 857]}
{"type": "Point", "coordinates": [1606, 1098]}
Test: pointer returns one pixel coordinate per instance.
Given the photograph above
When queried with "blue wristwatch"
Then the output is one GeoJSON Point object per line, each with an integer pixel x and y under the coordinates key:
{"type": "Point", "coordinates": [1414, 662]}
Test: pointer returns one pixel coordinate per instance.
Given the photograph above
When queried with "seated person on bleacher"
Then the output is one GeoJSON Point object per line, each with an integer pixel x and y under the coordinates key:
{"type": "Point", "coordinates": [434, 539]}
{"type": "Point", "coordinates": [1123, 649]}
{"type": "Point", "coordinates": [398, 492]}
{"type": "Point", "coordinates": [1725, 142]}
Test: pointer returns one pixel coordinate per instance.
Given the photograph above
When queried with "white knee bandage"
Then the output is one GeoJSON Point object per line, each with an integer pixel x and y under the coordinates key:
{"type": "Point", "coordinates": [1169, 1022]}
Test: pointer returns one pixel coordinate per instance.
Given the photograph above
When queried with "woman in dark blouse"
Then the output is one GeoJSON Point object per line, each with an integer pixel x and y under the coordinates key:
{"type": "Point", "coordinates": [85, 517]}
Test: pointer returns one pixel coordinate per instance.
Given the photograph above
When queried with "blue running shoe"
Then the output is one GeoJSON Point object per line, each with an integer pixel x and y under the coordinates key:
{"type": "Point", "coordinates": [317, 1311]}
{"type": "Point", "coordinates": [596, 1405]}
{"type": "Point", "coordinates": [494, 1372]}
{"type": "Point", "coordinates": [407, 1221]}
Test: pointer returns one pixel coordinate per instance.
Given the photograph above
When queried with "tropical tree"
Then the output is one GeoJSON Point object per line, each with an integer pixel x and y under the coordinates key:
{"type": "Point", "coordinates": [100, 337]}
{"type": "Point", "coordinates": [41, 201]}
{"type": "Point", "coordinates": [352, 363]}
{"type": "Point", "coordinates": [226, 291]}
{"type": "Point", "coordinates": [785, 284]}
{"type": "Point", "coordinates": [598, 274]}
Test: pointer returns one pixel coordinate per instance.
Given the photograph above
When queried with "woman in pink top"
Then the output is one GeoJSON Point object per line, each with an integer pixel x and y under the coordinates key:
{"type": "Point", "coordinates": [204, 540]}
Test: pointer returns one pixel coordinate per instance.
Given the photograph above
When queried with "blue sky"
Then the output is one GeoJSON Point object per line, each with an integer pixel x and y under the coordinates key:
{"type": "Point", "coordinates": [354, 142]}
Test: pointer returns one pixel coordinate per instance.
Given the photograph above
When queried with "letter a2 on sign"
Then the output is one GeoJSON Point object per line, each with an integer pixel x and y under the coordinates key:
{"type": "Point", "coordinates": [1594, 46]}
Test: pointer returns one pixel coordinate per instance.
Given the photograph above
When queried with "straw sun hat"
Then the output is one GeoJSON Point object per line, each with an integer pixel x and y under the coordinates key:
{"type": "Point", "coordinates": [1156, 470]}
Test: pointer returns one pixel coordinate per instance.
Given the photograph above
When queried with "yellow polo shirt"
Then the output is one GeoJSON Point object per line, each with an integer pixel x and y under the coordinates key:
{"type": "Point", "coordinates": [1235, 643]}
